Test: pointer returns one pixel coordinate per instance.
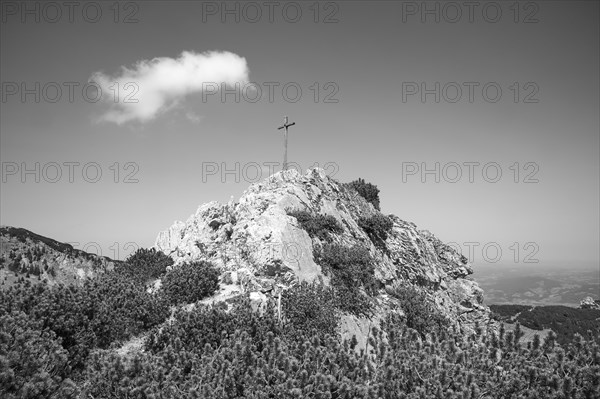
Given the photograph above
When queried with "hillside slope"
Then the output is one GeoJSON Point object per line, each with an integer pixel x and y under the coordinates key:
{"type": "Point", "coordinates": [29, 255]}
{"type": "Point", "coordinates": [563, 320]}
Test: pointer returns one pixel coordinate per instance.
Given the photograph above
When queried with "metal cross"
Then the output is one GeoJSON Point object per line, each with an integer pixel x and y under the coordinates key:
{"type": "Point", "coordinates": [286, 125]}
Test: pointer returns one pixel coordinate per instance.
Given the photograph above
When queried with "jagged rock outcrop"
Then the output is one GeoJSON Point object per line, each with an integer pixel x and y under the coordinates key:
{"type": "Point", "coordinates": [262, 249]}
{"type": "Point", "coordinates": [589, 303]}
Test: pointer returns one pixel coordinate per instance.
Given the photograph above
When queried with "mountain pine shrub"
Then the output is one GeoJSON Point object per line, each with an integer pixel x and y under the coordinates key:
{"type": "Point", "coordinates": [121, 307]}
{"type": "Point", "coordinates": [368, 191]}
{"type": "Point", "coordinates": [103, 310]}
{"type": "Point", "coordinates": [213, 353]}
{"type": "Point", "coordinates": [420, 313]}
{"type": "Point", "coordinates": [33, 364]}
{"type": "Point", "coordinates": [145, 264]}
{"type": "Point", "coordinates": [190, 282]}
{"type": "Point", "coordinates": [377, 227]}
{"type": "Point", "coordinates": [398, 364]}
{"type": "Point", "coordinates": [352, 271]}
{"type": "Point", "coordinates": [211, 325]}
{"type": "Point", "coordinates": [310, 309]}
{"type": "Point", "coordinates": [319, 226]}
{"type": "Point", "coordinates": [57, 342]}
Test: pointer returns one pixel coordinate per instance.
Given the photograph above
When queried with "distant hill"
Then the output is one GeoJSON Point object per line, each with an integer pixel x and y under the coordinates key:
{"type": "Point", "coordinates": [563, 320]}
{"type": "Point", "coordinates": [24, 254]}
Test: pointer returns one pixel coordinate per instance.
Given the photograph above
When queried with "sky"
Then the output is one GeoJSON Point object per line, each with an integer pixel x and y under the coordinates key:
{"type": "Point", "coordinates": [478, 123]}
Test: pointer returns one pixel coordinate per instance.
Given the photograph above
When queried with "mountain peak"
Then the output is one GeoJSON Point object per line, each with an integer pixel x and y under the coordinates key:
{"type": "Point", "coordinates": [262, 247]}
{"type": "Point", "coordinates": [291, 177]}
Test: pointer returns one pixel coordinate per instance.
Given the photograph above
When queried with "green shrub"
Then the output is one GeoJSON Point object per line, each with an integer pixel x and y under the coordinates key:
{"type": "Point", "coordinates": [190, 282]}
{"type": "Point", "coordinates": [350, 269]}
{"type": "Point", "coordinates": [145, 264]}
{"type": "Point", "coordinates": [310, 309]}
{"type": "Point", "coordinates": [377, 227]}
{"type": "Point", "coordinates": [368, 191]}
{"type": "Point", "coordinates": [398, 363]}
{"type": "Point", "coordinates": [420, 313]}
{"type": "Point", "coordinates": [121, 308]}
{"type": "Point", "coordinates": [319, 226]}
{"type": "Point", "coordinates": [32, 361]}
{"type": "Point", "coordinates": [101, 311]}
{"type": "Point", "coordinates": [210, 325]}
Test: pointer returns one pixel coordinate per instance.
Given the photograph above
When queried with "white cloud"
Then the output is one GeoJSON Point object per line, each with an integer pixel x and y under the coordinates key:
{"type": "Point", "coordinates": [154, 86]}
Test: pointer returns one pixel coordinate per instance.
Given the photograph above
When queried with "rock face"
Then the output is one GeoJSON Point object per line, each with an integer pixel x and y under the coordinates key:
{"type": "Point", "coordinates": [263, 250]}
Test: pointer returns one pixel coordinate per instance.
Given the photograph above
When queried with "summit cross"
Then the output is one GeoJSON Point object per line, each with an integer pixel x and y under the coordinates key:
{"type": "Point", "coordinates": [286, 125]}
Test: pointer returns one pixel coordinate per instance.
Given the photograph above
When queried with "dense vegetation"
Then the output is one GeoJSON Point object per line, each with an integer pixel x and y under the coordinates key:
{"type": "Point", "coordinates": [70, 321]}
{"type": "Point", "coordinates": [58, 342]}
{"type": "Point", "coordinates": [420, 313]}
{"type": "Point", "coordinates": [23, 234]}
{"type": "Point", "coordinates": [508, 311]}
{"type": "Point", "coordinates": [352, 273]}
{"type": "Point", "coordinates": [190, 282]}
{"type": "Point", "coordinates": [368, 191]}
{"type": "Point", "coordinates": [29, 256]}
{"type": "Point", "coordinates": [209, 325]}
{"type": "Point", "coordinates": [145, 264]}
{"type": "Point", "coordinates": [317, 226]}
{"type": "Point", "coordinates": [563, 320]}
{"type": "Point", "coordinates": [32, 361]}
{"type": "Point", "coordinates": [47, 332]}
{"type": "Point", "coordinates": [253, 357]}
{"type": "Point", "coordinates": [377, 227]}
{"type": "Point", "coordinates": [310, 309]}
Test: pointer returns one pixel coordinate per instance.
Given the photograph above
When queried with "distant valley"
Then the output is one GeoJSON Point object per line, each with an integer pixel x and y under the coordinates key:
{"type": "Point", "coordinates": [538, 284]}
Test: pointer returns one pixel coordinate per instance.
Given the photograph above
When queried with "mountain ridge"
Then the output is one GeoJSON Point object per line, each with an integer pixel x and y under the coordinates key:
{"type": "Point", "coordinates": [25, 253]}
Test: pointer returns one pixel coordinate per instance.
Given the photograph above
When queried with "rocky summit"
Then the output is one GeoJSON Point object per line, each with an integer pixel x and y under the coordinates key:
{"type": "Point", "coordinates": [262, 250]}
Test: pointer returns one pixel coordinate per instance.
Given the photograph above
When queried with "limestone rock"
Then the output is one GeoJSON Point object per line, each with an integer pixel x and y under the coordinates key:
{"type": "Point", "coordinates": [261, 249]}
{"type": "Point", "coordinates": [589, 303]}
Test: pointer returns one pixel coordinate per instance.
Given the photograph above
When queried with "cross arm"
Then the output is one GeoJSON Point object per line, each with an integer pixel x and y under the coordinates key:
{"type": "Point", "coordinates": [286, 125]}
